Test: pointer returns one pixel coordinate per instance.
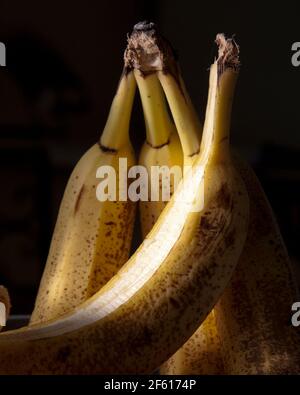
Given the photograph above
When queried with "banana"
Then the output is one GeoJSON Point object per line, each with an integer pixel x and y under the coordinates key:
{"type": "Point", "coordinates": [185, 117]}
{"type": "Point", "coordinates": [253, 316]}
{"type": "Point", "coordinates": [207, 359]}
{"type": "Point", "coordinates": [249, 330]}
{"type": "Point", "coordinates": [200, 355]}
{"type": "Point", "coordinates": [4, 306]}
{"type": "Point", "coordinates": [162, 147]}
{"type": "Point", "coordinates": [251, 324]}
{"type": "Point", "coordinates": [166, 289]}
{"type": "Point", "coordinates": [92, 238]}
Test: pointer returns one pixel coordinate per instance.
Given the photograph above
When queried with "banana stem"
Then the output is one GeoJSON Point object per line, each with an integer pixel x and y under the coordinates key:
{"type": "Point", "coordinates": [157, 120]}
{"type": "Point", "coordinates": [222, 82]}
{"type": "Point", "coordinates": [116, 131]}
{"type": "Point", "coordinates": [184, 114]}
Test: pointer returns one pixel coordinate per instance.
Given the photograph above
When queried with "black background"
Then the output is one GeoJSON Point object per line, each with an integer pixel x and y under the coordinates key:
{"type": "Point", "coordinates": [64, 59]}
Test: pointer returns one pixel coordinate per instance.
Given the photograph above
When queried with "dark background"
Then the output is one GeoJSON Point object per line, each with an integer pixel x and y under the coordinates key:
{"type": "Point", "coordinates": [64, 59]}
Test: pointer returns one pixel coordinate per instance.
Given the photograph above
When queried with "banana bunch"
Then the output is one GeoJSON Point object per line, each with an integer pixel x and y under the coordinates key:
{"type": "Point", "coordinates": [4, 306]}
{"type": "Point", "coordinates": [159, 297]}
{"type": "Point", "coordinates": [99, 310]}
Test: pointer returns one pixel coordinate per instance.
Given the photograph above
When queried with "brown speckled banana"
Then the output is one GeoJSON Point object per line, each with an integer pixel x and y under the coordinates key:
{"type": "Point", "coordinates": [254, 314]}
{"type": "Point", "coordinates": [200, 355]}
{"type": "Point", "coordinates": [92, 238]}
{"type": "Point", "coordinates": [249, 331]}
{"type": "Point", "coordinates": [161, 295]}
{"type": "Point", "coordinates": [252, 321]}
{"type": "Point", "coordinates": [4, 306]}
{"type": "Point", "coordinates": [156, 119]}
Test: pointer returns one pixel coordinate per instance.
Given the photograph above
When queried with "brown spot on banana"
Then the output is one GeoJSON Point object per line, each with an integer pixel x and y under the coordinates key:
{"type": "Point", "coordinates": [79, 197]}
{"type": "Point", "coordinates": [223, 196]}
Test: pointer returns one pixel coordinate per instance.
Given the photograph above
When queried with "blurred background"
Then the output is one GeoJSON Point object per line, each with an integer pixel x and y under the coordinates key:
{"type": "Point", "coordinates": [64, 60]}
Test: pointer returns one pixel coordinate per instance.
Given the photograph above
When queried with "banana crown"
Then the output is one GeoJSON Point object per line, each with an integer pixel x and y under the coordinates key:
{"type": "Point", "coordinates": [149, 53]}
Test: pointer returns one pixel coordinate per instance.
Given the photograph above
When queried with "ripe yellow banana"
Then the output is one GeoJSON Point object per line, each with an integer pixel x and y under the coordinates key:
{"type": "Point", "coordinates": [201, 354]}
{"type": "Point", "coordinates": [92, 238]}
{"type": "Point", "coordinates": [208, 359]}
{"type": "Point", "coordinates": [161, 295]}
{"type": "Point", "coordinates": [4, 306]}
{"type": "Point", "coordinates": [251, 325]}
{"type": "Point", "coordinates": [185, 117]}
{"type": "Point", "coordinates": [162, 147]}
{"type": "Point", "coordinates": [249, 330]}
{"type": "Point", "coordinates": [254, 314]}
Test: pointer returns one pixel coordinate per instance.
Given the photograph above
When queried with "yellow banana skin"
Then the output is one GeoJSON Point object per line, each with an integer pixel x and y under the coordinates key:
{"type": "Point", "coordinates": [4, 298]}
{"type": "Point", "coordinates": [92, 238]}
{"type": "Point", "coordinates": [200, 355]}
{"type": "Point", "coordinates": [161, 148]}
{"type": "Point", "coordinates": [166, 289]}
{"type": "Point", "coordinates": [251, 332]}
{"type": "Point", "coordinates": [169, 155]}
{"type": "Point", "coordinates": [254, 314]}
